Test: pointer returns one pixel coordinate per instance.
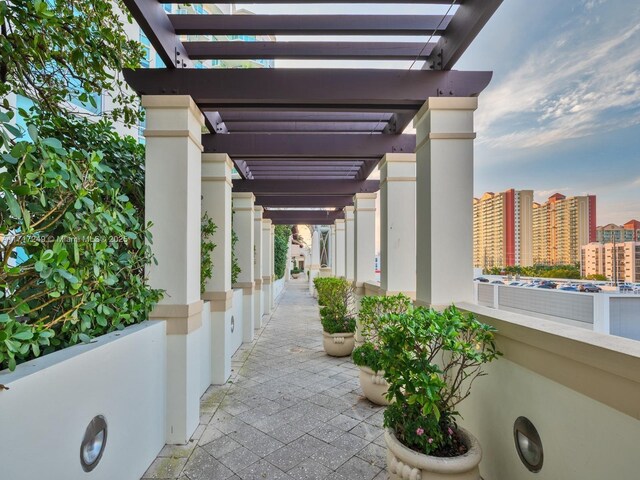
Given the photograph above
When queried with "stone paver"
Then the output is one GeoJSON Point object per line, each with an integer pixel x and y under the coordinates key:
{"type": "Point", "coordinates": [288, 412]}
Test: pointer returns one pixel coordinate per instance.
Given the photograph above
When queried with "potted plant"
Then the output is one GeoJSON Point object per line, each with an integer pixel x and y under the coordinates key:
{"type": "Point", "coordinates": [373, 311]}
{"type": "Point", "coordinates": [338, 321]}
{"type": "Point", "coordinates": [295, 272]}
{"type": "Point", "coordinates": [430, 360]}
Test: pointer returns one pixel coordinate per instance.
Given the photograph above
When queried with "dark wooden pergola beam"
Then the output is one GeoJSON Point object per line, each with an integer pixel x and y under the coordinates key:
{"type": "Point", "coordinates": [155, 23]}
{"type": "Point", "coordinates": [292, 161]}
{"type": "Point", "coordinates": [281, 145]}
{"type": "Point", "coordinates": [293, 2]}
{"type": "Point", "coordinates": [309, 50]}
{"type": "Point", "coordinates": [313, 217]}
{"type": "Point", "coordinates": [318, 127]}
{"type": "Point", "coordinates": [195, 24]}
{"type": "Point", "coordinates": [306, 187]}
{"type": "Point", "coordinates": [468, 21]}
{"type": "Point", "coordinates": [317, 201]}
{"type": "Point", "coordinates": [239, 115]}
{"type": "Point", "coordinates": [372, 90]}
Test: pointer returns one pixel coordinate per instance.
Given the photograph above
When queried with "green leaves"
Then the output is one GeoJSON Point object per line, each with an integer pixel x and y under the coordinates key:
{"type": "Point", "coordinates": [78, 277]}
{"type": "Point", "coordinates": [430, 360]}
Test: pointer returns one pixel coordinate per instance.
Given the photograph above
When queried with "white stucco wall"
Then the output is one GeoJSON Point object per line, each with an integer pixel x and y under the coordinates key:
{"type": "Point", "coordinates": [205, 348]}
{"type": "Point", "coordinates": [235, 337]}
{"type": "Point", "coordinates": [52, 399]}
{"type": "Point", "coordinates": [278, 287]}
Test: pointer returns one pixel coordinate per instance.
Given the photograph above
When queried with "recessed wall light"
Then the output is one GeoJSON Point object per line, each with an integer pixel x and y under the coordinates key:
{"type": "Point", "coordinates": [528, 444]}
{"type": "Point", "coordinates": [233, 323]}
{"type": "Point", "coordinates": [93, 443]}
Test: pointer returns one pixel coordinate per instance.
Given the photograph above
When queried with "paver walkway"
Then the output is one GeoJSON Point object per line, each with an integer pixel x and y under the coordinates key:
{"type": "Point", "coordinates": [288, 412]}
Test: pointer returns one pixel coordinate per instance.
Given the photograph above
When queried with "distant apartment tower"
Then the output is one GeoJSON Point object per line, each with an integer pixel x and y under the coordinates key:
{"type": "Point", "coordinates": [629, 232]}
{"type": "Point", "coordinates": [616, 261]}
{"type": "Point", "coordinates": [561, 226]}
{"type": "Point", "coordinates": [502, 229]}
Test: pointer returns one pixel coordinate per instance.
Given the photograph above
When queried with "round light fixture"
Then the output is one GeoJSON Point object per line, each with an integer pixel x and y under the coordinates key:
{"type": "Point", "coordinates": [93, 443]}
{"type": "Point", "coordinates": [528, 444]}
{"type": "Point", "coordinates": [233, 323]}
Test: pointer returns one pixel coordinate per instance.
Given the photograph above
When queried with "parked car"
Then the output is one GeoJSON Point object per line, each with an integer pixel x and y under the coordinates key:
{"type": "Point", "coordinates": [625, 288]}
{"type": "Point", "coordinates": [547, 284]}
{"type": "Point", "coordinates": [515, 284]}
{"type": "Point", "coordinates": [568, 288]}
{"type": "Point", "coordinates": [589, 288]}
{"type": "Point", "coordinates": [497, 282]}
{"type": "Point", "coordinates": [481, 279]}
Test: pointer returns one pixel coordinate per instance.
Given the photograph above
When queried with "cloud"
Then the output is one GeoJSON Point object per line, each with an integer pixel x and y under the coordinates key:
{"type": "Point", "coordinates": [574, 86]}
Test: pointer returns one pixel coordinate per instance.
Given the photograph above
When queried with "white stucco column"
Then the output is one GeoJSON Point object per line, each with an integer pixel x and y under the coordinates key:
{"type": "Point", "coordinates": [216, 201]}
{"type": "Point", "coordinates": [172, 204]}
{"type": "Point", "coordinates": [314, 265]}
{"type": "Point", "coordinates": [332, 248]}
{"type": "Point", "coordinates": [444, 215]}
{"type": "Point", "coordinates": [338, 257]}
{"type": "Point", "coordinates": [267, 261]}
{"type": "Point", "coordinates": [272, 271]}
{"type": "Point", "coordinates": [243, 223]}
{"type": "Point", "coordinates": [349, 242]}
{"type": "Point", "coordinates": [365, 239]}
{"type": "Point", "coordinates": [398, 224]}
{"type": "Point", "coordinates": [257, 270]}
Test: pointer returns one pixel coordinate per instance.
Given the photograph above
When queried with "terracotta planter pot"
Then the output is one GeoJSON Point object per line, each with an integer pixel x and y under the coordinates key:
{"type": "Point", "coordinates": [338, 344]}
{"type": "Point", "coordinates": [406, 464]}
{"type": "Point", "coordinates": [374, 386]}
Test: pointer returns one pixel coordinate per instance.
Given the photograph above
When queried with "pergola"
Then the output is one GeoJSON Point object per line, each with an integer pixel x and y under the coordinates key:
{"type": "Point", "coordinates": [310, 137]}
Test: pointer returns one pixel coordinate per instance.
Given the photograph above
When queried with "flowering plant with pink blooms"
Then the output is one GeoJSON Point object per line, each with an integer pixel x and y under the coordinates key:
{"type": "Point", "coordinates": [430, 361]}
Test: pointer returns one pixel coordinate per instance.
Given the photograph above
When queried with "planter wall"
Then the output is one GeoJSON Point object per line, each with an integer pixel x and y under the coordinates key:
{"type": "Point", "coordinates": [52, 399]}
{"type": "Point", "coordinates": [278, 288]}
{"type": "Point", "coordinates": [235, 332]}
{"type": "Point", "coordinates": [338, 344]}
{"type": "Point", "coordinates": [374, 386]}
{"type": "Point", "coordinates": [406, 464]}
{"type": "Point", "coordinates": [205, 348]}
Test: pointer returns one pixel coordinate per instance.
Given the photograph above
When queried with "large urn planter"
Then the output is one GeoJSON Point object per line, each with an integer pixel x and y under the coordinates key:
{"type": "Point", "coordinates": [374, 386]}
{"type": "Point", "coordinates": [406, 464]}
{"type": "Point", "coordinates": [338, 344]}
{"type": "Point", "coordinates": [295, 276]}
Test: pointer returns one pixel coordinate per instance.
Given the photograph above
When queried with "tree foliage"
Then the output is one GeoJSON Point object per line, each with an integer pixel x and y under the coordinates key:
{"type": "Point", "coordinates": [73, 253]}
{"type": "Point", "coordinates": [542, 271]}
{"type": "Point", "coordinates": [54, 51]}
{"type": "Point", "coordinates": [280, 249]}
{"type": "Point", "coordinates": [207, 230]}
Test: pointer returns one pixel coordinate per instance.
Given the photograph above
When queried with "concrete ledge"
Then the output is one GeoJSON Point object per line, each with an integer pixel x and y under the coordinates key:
{"type": "Point", "coordinates": [181, 319]}
{"type": "Point", "coordinates": [603, 367]}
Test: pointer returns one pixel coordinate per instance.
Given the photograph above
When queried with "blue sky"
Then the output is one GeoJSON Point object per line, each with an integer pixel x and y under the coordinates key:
{"type": "Point", "coordinates": [563, 110]}
{"type": "Point", "coordinates": [562, 113]}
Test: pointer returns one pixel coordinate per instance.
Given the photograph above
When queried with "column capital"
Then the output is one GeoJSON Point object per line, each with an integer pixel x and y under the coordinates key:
{"type": "Point", "coordinates": [172, 102]}
{"type": "Point", "coordinates": [339, 223]}
{"type": "Point", "coordinates": [469, 104]}
{"type": "Point", "coordinates": [364, 201]}
{"type": "Point", "coordinates": [258, 211]}
{"type": "Point", "coordinates": [243, 201]}
{"type": "Point", "coordinates": [266, 223]}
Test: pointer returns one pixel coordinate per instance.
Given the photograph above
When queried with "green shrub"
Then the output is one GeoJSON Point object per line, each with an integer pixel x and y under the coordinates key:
{"type": "Point", "coordinates": [367, 355]}
{"type": "Point", "coordinates": [336, 311]}
{"type": "Point", "coordinates": [331, 324]}
{"type": "Point", "coordinates": [235, 264]}
{"type": "Point", "coordinates": [280, 249]}
{"type": "Point", "coordinates": [73, 256]}
{"type": "Point", "coordinates": [430, 360]}
{"type": "Point", "coordinates": [372, 315]}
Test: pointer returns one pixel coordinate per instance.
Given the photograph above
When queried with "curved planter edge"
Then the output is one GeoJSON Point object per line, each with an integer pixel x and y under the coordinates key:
{"type": "Point", "coordinates": [338, 344]}
{"type": "Point", "coordinates": [374, 386]}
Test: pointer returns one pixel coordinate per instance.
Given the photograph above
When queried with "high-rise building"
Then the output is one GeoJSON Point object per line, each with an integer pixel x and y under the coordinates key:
{"type": "Point", "coordinates": [629, 232]}
{"type": "Point", "coordinates": [561, 226]}
{"type": "Point", "coordinates": [616, 261]}
{"type": "Point", "coordinates": [502, 229]}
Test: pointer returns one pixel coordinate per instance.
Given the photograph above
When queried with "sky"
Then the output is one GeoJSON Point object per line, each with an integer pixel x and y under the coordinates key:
{"type": "Point", "coordinates": [562, 113]}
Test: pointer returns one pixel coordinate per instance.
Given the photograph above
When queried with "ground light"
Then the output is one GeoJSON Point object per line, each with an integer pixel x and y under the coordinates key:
{"type": "Point", "coordinates": [528, 444]}
{"type": "Point", "coordinates": [93, 443]}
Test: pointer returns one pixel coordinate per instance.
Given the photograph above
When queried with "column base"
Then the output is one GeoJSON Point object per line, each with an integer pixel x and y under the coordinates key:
{"type": "Point", "coordinates": [267, 290]}
{"type": "Point", "coordinates": [247, 310]}
{"type": "Point", "coordinates": [184, 353]}
{"type": "Point", "coordinates": [258, 304]}
{"type": "Point", "coordinates": [221, 331]}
